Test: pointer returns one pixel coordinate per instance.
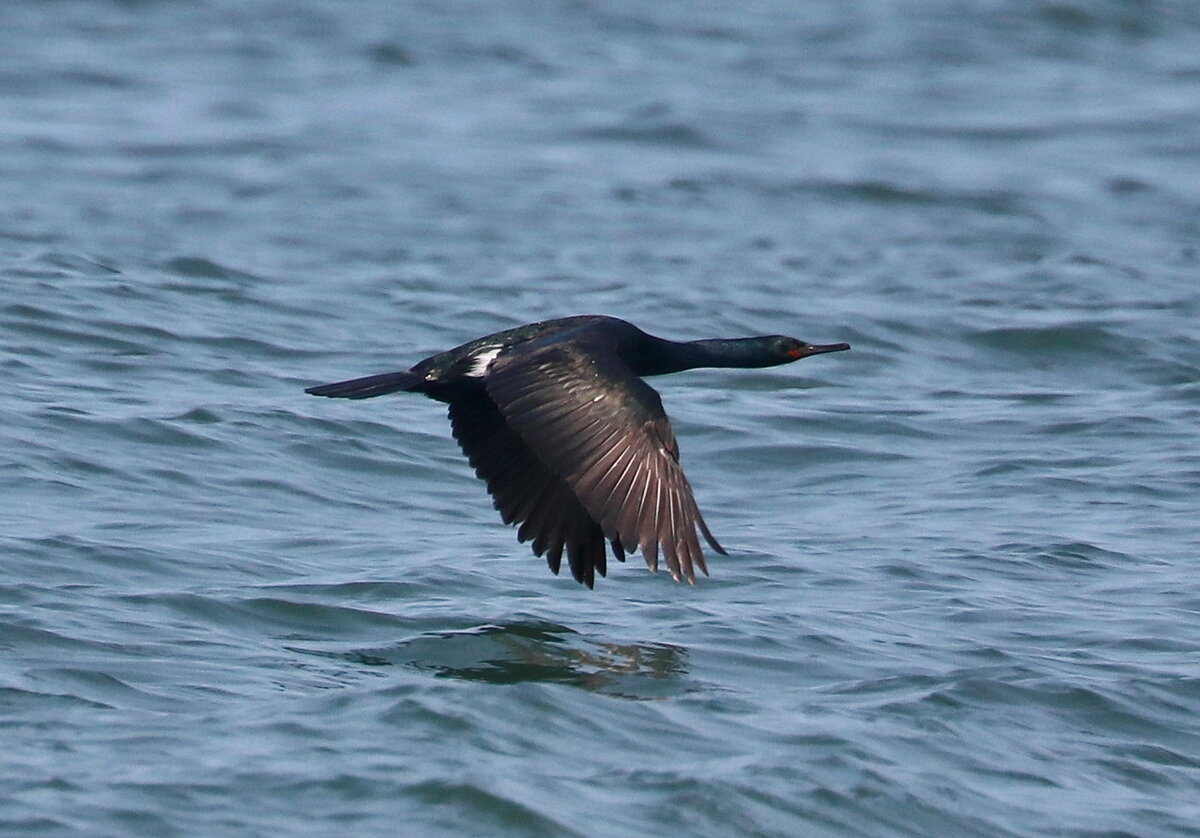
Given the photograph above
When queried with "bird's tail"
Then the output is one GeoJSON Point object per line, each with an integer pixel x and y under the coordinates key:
{"type": "Point", "coordinates": [368, 386]}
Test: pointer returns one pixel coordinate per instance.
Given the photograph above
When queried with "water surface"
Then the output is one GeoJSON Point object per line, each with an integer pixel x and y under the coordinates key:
{"type": "Point", "coordinates": [962, 591]}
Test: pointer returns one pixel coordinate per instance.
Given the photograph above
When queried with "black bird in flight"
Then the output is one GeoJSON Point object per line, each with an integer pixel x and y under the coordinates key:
{"type": "Point", "coordinates": [573, 445]}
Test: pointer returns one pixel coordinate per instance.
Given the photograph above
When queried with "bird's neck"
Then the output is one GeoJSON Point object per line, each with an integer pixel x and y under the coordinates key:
{"type": "Point", "coordinates": [667, 356]}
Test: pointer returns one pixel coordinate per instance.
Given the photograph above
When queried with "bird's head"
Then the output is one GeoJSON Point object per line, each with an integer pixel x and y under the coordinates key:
{"type": "Point", "coordinates": [784, 349]}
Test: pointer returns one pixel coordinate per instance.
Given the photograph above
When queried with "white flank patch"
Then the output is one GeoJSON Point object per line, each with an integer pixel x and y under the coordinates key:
{"type": "Point", "coordinates": [482, 361]}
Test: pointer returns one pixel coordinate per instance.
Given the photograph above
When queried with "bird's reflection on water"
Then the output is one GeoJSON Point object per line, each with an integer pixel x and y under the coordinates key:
{"type": "Point", "coordinates": [519, 652]}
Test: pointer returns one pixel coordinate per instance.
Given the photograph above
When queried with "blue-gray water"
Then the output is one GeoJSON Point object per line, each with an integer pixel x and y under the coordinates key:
{"type": "Point", "coordinates": [963, 594]}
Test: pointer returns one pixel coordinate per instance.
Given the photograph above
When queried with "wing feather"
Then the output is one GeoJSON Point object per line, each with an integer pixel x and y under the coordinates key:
{"type": "Point", "coordinates": [525, 491]}
{"type": "Point", "coordinates": [601, 431]}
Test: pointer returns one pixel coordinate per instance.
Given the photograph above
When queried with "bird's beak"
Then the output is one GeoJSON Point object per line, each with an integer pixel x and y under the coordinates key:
{"type": "Point", "coordinates": [811, 349]}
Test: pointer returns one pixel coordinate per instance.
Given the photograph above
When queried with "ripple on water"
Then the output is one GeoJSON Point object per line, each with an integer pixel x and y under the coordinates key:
{"type": "Point", "coordinates": [470, 807]}
{"type": "Point", "coordinates": [521, 652]}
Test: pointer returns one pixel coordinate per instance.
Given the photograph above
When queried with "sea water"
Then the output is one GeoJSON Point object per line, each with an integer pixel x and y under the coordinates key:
{"type": "Point", "coordinates": [963, 593]}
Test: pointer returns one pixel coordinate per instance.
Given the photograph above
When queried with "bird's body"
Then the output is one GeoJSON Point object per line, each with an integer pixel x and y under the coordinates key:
{"type": "Point", "coordinates": [573, 445]}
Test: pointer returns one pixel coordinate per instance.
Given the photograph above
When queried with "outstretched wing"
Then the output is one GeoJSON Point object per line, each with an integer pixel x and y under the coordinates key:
{"type": "Point", "coordinates": [526, 492]}
{"type": "Point", "coordinates": [598, 426]}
